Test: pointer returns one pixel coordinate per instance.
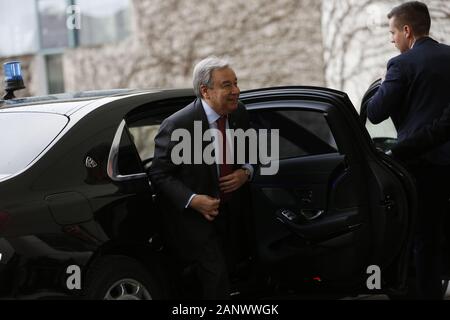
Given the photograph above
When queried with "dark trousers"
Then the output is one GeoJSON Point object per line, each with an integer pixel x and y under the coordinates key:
{"type": "Point", "coordinates": [216, 260]}
{"type": "Point", "coordinates": [433, 187]}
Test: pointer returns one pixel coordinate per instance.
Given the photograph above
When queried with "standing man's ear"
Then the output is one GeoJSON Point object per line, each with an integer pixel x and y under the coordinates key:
{"type": "Point", "coordinates": [408, 31]}
{"type": "Point", "coordinates": [204, 91]}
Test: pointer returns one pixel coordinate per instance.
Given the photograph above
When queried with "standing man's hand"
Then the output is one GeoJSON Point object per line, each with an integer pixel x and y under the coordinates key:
{"type": "Point", "coordinates": [233, 181]}
{"type": "Point", "coordinates": [206, 205]}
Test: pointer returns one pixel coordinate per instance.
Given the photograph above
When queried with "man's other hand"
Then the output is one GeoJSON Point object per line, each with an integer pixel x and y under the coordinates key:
{"type": "Point", "coordinates": [206, 205]}
{"type": "Point", "coordinates": [233, 181]}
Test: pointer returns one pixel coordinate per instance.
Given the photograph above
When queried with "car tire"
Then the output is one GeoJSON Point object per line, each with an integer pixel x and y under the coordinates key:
{"type": "Point", "coordinates": [120, 278]}
{"type": "Point", "coordinates": [444, 287]}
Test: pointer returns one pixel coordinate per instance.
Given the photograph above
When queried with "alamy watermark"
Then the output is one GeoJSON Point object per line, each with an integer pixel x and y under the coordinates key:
{"type": "Point", "coordinates": [263, 147]}
{"type": "Point", "coordinates": [73, 281]}
{"type": "Point", "coordinates": [73, 20]}
{"type": "Point", "coordinates": [374, 280]}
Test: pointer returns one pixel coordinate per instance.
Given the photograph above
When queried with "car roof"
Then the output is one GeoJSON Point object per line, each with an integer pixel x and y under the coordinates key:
{"type": "Point", "coordinates": [69, 103]}
{"type": "Point", "coordinates": [65, 103]}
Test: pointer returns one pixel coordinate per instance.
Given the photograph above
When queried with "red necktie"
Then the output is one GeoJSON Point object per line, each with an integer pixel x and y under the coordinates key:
{"type": "Point", "coordinates": [224, 167]}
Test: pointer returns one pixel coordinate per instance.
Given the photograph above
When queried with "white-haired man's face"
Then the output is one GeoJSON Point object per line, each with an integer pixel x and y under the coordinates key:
{"type": "Point", "coordinates": [224, 95]}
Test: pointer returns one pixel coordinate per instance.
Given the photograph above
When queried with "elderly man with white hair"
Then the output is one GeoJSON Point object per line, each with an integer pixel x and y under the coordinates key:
{"type": "Point", "coordinates": [205, 204]}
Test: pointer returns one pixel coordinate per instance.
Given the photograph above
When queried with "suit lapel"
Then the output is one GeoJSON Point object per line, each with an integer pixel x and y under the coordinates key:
{"type": "Point", "coordinates": [234, 124]}
{"type": "Point", "coordinates": [232, 121]}
{"type": "Point", "coordinates": [201, 115]}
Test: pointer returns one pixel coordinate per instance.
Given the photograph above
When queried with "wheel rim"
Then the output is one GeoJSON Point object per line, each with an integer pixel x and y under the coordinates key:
{"type": "Point", "coordinates": [127, 289]}
{"type": "Point", "coordinates": [444, 287]}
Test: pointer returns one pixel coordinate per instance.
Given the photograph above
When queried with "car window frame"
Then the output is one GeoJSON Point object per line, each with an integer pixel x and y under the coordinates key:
{"type": "Point", "coordinates": [113, 158]}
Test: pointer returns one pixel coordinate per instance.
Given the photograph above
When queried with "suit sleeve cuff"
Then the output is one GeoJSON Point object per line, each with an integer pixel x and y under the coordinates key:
{"type": "Point", "coordinates": [189, 201]}
{"type": "Point", "coordinates": [249, 167]}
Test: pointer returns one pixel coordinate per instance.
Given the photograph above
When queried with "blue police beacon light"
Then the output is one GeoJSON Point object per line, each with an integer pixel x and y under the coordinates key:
{"type": "Point", "coordinates": [13, 78]}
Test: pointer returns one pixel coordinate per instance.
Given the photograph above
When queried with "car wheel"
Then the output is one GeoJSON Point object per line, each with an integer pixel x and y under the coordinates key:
{"type": "Point", "coordinates": [444, 287]}
{"type": "Point", "coordinates": [120, 278]}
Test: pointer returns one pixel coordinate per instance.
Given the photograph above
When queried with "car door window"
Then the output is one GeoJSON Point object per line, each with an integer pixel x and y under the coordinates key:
{"type": "Point", "coordinates": [302, 132]}
{"type": "Point", "coordinates": [23, 138]}
{"type": "Point", "coordinates": [144, 140]}
{"type": "Point", "coordinates": [144, 122]}
{"type": "Point", "coordinates": [384, 134]}
{"type": "Point", "coordinates": [128, 159]}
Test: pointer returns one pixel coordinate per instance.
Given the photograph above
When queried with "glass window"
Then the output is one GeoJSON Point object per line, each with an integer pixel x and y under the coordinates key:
{"type": "Point", "coordinates": [144, 123]}
{"type": "Point", "coordinates": [23, 137]}
{"type": "Point", "coordinates": [52, 22]}
{"type": "Point", "coordinates": [55, 73]}
{"type": "Point", "coordinates": [18, 32]}
{"type": "Point", "coordinates": [103, 21]}
{"type": "Point", "coordinates": [144, 139]}
{"type": "Point", "coordinates": [385, 129]}
{"type": "Point", "coordinates": [302, 132]}
{"type": "Point", "coordinates": [128, 161]}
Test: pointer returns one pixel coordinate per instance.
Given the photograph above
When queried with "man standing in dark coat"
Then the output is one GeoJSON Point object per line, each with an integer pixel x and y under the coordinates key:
{"type": "Point", "coordinates": [414, 93]}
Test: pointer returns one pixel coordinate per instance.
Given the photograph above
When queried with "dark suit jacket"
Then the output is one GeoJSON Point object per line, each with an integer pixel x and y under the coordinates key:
{"type": "Point", "coordinates": [415, 92]}
{"type": "Point", "coordinates": [425, 139]}
{"type": "Point", "coordinates": [185, 229]}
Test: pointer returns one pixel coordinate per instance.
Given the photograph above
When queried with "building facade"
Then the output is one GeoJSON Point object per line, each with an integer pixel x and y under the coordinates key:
{"type": "Point", "coordinates": [73, 45]}
{"type": "Point", "coordinates": [145, 44]}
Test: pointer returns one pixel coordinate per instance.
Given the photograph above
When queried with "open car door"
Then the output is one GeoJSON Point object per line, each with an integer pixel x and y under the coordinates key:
{"type": "Point", "coordinates": [336, 205]}
{"type": "Point", "coordinates": [384, 135]}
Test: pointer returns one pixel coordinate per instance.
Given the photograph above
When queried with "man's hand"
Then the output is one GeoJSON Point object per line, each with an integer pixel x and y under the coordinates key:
{"type": "Point", "coordinates": [206, 205]}
{"type": "Point", "coordinates": [233, 181]}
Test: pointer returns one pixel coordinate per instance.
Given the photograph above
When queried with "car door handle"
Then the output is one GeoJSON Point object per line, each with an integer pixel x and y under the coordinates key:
{"type": "Point", "coordinates": [307, 214]}
{"type": "Point", "coordinates": [289, 215]}
{"type": "Point", "coordinates": [318, 229]}
{"type": "Point", "coordinates": [311, 215]}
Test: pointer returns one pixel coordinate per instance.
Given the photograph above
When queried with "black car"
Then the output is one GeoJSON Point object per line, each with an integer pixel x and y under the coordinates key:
{"type": "Point", "coordinates": [75, 196]}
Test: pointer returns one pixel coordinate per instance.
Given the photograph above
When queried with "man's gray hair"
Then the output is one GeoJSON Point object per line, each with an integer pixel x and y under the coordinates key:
{"type": "Point", "coordinates": [203, 72]}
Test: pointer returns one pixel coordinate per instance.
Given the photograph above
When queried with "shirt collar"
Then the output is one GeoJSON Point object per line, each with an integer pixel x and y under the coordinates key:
{"type": "Point", "coordinates": [210, 113]}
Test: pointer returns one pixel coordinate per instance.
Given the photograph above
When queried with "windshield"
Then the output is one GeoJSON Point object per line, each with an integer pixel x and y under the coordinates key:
{"type": "Point", "coordinates": [23, 136]}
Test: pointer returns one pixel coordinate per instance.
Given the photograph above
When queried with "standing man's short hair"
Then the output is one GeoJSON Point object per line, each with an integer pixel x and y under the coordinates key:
{"type": "Point", "coordinates": [203, 72]}
{"type": "Point", "coordinates": [414, 14]}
